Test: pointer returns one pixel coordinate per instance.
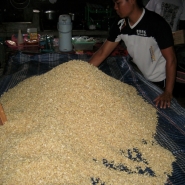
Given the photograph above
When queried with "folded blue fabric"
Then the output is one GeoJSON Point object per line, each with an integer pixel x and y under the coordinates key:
{"type": "Point", "coordinates": [171, 126]}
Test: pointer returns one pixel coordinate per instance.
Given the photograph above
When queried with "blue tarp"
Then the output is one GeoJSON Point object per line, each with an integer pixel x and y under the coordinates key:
{"type": "Point", "coordinates": [171, 127]}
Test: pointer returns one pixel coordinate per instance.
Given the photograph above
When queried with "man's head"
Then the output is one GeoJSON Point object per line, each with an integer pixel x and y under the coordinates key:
{"type": "Point", "coordinates": [138, 2]}
{"type": "Point", "coordinates": [125, 8]}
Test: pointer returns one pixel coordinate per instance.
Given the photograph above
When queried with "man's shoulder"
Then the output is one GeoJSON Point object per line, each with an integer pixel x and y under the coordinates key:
{"type": "Point", "coordinates": [153, 15]}
{"type": "Point", "coordinates": [154, 18]}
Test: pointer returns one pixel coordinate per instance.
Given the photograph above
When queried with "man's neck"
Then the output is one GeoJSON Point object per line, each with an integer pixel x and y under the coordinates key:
{"type": "Point", "coordinates": [135, 15]}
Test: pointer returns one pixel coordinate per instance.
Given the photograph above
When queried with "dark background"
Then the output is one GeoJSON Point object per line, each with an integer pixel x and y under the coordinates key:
{"type": "Point", "coordinates": [9, 13]}
{"type": "Point", "coordinates": [22, 10]}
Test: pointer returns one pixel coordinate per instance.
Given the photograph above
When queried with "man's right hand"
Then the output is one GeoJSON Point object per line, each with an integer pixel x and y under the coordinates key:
{"type": "Point", "coordinates": [103, 52]}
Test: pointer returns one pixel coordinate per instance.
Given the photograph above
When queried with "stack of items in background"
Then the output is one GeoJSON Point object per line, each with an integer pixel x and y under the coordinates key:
{"type": "Point", "coordinates": [28, 41]}
{"type": "Point", "coordinates": [31, 42]}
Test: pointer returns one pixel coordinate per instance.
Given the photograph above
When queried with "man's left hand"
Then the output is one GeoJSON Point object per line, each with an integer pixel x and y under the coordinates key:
{"type": "Point", "coordinates": [163, 100]}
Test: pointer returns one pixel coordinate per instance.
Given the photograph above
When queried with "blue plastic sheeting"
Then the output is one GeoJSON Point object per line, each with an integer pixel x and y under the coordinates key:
{"type": "Point", "coordinates": [171, 127]}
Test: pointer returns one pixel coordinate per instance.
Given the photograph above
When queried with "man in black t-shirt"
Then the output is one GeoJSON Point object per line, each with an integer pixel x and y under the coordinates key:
{"type": "Point", "coordinates": [149, 42]}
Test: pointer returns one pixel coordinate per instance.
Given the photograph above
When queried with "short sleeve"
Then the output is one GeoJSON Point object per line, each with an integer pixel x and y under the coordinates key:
{"type": "Point", "coordinates": [163, 35]}
{"type": "Point", "coordinates": [114, 33]}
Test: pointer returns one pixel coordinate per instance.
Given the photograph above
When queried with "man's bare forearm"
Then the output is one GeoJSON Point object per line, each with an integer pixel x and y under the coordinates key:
{"type": "Point", "coordinates": [170, 75]}
{"type": "Point", "coordinates": [97, 58]}
{"type": "Point", "coordinates": [104, 51]}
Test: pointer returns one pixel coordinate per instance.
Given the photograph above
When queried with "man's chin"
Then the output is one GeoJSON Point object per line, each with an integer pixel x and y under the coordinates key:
{"type": "Point", "coordinates": [121, 16]}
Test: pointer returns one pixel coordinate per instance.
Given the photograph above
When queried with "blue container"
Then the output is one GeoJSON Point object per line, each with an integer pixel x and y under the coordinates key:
{"type": "Point", "coordinates": [65, 33]}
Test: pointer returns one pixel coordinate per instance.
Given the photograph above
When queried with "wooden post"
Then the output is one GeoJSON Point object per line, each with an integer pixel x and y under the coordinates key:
{"type": "Point", "coordinates": [3, 118]}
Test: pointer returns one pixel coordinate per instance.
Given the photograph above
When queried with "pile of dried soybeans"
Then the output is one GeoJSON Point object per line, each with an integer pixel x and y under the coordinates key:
{"type": "Point", "coordinates": [75, 125]}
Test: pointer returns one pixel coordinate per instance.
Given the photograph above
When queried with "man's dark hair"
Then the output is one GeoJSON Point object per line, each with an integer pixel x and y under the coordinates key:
{"type": "Point", "coordinates": [140, 3]}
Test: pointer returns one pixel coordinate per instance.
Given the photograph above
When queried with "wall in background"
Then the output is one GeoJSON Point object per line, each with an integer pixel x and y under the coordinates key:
{"type": "Point", "coordinates": [11, 12]}
{"type": "Point", "coordinates": [23, 12]}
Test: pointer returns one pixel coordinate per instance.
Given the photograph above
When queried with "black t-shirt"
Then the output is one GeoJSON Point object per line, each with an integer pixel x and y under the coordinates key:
{"type": "Point", "coordinates": [144, 40]}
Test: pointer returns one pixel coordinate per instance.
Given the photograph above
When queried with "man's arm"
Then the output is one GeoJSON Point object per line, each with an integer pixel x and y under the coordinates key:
{"type": "Point", "coordinates": [165, 98]}
{"type": "Point", "coordinates": [103, 52]}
